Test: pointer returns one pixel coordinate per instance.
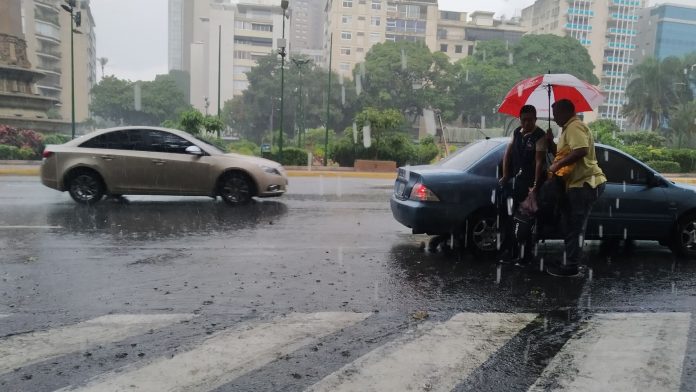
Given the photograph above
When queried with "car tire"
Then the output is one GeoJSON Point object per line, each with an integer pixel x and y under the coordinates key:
{"type": "Point", "coordinates": [482, 233]}
{"type": "Point", "coordinates": [684, 237]}
{"type": "Point", "coordinates": [86, 186]}
{"type": "Point", "coordinates": [236, 189]}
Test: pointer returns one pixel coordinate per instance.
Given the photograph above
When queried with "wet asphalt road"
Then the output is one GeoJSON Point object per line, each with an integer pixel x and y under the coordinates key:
{"type": "Point", "coordinates": [330, 245]}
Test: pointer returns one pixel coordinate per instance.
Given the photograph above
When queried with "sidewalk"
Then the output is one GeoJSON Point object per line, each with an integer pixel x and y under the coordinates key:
{"type": "Point", "coordinates": [31, 168]}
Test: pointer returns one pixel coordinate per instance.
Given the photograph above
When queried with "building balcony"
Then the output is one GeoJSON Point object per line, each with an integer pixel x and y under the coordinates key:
{"type": "Point", "coordinates": [578, 27]}
{"type": "Point", "coordinates": [621, 32]}
{"type": "Point", "coordinates": [52, 88]}
{"type": "Point", "coordinates": [50, 54]}
{"type": "Point", "coordinates": [51, 70]}
{"type": "Point", "coordinates": [618, 60]}
{"type": "Point", "coordinates": [624, 3]}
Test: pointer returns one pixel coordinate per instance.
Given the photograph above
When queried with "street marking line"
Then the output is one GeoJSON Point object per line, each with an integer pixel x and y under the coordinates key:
{"type": "Point", "coordinates": [621, 352]}
{"type": "Point", "coordinates": [4, 315]}
{"type": "Point", "coordinates": [25, 349]}
{"type": "Point", "coordinates": [438, 358]}
{"type": "Point", "coordinates": [29, 227]}
{"type": "Point", "coordinates": [227, 355]}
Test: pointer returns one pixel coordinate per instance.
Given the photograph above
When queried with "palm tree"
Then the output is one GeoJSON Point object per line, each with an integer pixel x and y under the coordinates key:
{"type": "Point", "coordinates": [683, 124]}
{"type": "Point", "coordinates": [654, 90]}
{"type": "Point", "coordinates": [102, 62]}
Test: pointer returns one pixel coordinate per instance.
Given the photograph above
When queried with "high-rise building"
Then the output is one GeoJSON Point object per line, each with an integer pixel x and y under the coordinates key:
{"type": "Point", "coordinates": [47, 28]}
{"type": "Point", "coordinates": [227, 40]}
{"type": "Point", "coordinates": [356, 25]}
{"type": "Point", "coordinates": [180, 33]}
{"type": "Point", "coordinates": [457, 35]}
{"type": "Point", "coordinates": [607, 28]}
{"type": "Point", "coordinates": [307, 32]}
{"type": "Point", "coordinates": [666, 30]}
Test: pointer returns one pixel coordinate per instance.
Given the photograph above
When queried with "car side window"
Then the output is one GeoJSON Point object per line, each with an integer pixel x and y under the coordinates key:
{"type": "Point", "coordinates": [160, 141]}
{"type": "Point", "coordinates": [489, 166]}
{"type": "Point", "coordinates": [116, 140]}
{"type": "Point", "coordinates": [620, 169]}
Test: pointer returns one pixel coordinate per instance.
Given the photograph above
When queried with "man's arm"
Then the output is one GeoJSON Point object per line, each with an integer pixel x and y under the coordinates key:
{"type": "Point", "coordinates": [569, 159]}
{"type": "Point", "coordinates": [506, 164]}
{"type": "Point", "coordinates": [549, 141]}
{"type": "Point", "coordinates": [539, 172]}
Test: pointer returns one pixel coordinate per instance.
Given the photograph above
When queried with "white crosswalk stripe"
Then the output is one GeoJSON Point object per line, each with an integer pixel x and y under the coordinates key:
{"type": "Point", "coordinates": [437, 358]}
{"type": "Point", "coordinates": [621, 352]}
{"type": "Point", "coordinates": [227, 355]}
{"type": "Point", "coordinates": [25, 349]}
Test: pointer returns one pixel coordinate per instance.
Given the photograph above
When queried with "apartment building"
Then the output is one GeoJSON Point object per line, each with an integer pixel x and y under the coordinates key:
{"type": "Point", "coordinates": [356, 25]}
{"type": "Point", "coordinates": [666, 30]}
{"type": "Point", "coordinates": [607, 28]}
{"type": "Point", "coordinates": [47, 28]}
{"type": "Point", "coordinates": [307, 32]}
{"type": "Point", "coordinates": [458, 32]}
{"type": "Point", "coordinates": [226, 41]}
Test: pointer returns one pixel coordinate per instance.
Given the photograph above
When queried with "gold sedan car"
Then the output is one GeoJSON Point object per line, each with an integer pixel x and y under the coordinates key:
{"type": "Point", "coordinates": [156, 161]}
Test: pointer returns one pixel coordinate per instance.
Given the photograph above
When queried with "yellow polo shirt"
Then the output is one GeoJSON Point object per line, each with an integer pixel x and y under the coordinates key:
{"type": "Point", "coordinates": [577, 135]}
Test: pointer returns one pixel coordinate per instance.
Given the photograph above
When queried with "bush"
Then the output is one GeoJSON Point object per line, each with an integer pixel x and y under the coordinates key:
{"type": "Point", "coordinates": [244, 147]}
{"type": "Point", "coordinates": [396, 147]}
{"type": "Point", "coordinates": [26, 153]}
{"type": "Point", "coordinates": [8, 152]}
{"type": "Point", "coordinates": [219, 143]}
{"type": "Point", "coordinates": [645, 138]}
{"type": "Point", "coordinates": [22, 138]}
{"type": "Point", "coordinates": [292, 156]}
{"type": "Point", "coordinates": [343, 151]}
{"type": "Point", "coordinates": [55, 138]}
{"type": "Point", "coordinates": [686, 159]}
{"type": "Point", "coordinates": [664, 166]}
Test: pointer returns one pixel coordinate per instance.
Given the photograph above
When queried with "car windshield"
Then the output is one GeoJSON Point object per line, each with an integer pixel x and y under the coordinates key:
{"type": "Point", "coordinates": [467, 156]}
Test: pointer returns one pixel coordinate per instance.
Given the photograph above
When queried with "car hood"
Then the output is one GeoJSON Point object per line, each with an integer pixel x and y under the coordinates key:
{"type": "Point", "coordinates": [687, 187]}
{"type": "Point", "coordinates": [254, 160]}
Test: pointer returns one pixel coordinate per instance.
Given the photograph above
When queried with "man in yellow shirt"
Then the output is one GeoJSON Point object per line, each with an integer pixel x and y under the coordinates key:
{"type": "Point", "coordinates": [576, 162]}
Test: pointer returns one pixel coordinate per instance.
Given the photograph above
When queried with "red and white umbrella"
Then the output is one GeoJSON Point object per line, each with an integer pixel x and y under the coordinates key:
{"type": "Point", "coordinates": [541, 90]}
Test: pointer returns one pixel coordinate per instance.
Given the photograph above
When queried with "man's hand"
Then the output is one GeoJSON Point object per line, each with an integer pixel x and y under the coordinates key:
{"type": "Point", "coordinates": [549, 135]}
{"type": "Point", "coordinates": [554, 167]}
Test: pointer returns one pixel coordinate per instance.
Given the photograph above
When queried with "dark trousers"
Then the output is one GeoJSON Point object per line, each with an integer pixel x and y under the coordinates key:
{"type": "Point", "coordinates": [577, 212]}
{"type": "Point", "coordinates": [518, 191]}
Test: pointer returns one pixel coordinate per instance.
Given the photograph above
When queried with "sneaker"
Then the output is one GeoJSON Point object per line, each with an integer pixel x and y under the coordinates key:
{"type": "Point", "coordinates": [506, 257]}
{"type": "Point", "coordinates": [525, 263]}
{"type": "Point", "coordinates": [563, 271]}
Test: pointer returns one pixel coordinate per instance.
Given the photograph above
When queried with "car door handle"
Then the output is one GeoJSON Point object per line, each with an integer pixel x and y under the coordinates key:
{"type": "Point", "coordinates": [106, 157]}
{"type": "Point", "coordinates": [157, 162]}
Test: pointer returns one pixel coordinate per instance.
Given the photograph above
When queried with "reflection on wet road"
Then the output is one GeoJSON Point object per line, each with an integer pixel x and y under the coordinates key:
{"type": "Point", "coordinates": [328, 254]}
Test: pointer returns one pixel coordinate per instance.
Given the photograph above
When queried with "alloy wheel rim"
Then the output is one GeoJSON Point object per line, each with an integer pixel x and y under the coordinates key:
{"type": "Point", "coordinates": [85, 187]}
{"type": "Point", "coordinates": [485, 235]}
{"type": "Point", "coordinates": [235, 190]}
{"type": "Point", "coordinates": [688, 236]}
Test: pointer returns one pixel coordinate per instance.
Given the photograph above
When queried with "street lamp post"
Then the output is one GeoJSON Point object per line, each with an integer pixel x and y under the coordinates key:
{"type": "Point", "coordinates": [281, 50]}
{"type": "Point", "coordinates": [77, 18]}
{"type": "Point", "coordinates": [299, 63]}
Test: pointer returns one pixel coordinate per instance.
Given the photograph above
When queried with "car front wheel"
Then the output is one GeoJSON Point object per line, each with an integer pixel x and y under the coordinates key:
{"type": "Point", "coordinates": [684, 238]}
{"type": "Point", "coordinates": [86, 187]}
{"type": "Point", "coordinates": [236, 189]}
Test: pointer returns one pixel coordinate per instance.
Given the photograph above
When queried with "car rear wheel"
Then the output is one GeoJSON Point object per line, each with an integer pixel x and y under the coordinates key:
{"type": "Point", "coordinates": [483, 233]}
{"type": "Point", "coordinates": [86, 187]}
{"type": "Point", "coordinates": [236, 189]}
{"type": "Point", "coordinates": [684, 237]}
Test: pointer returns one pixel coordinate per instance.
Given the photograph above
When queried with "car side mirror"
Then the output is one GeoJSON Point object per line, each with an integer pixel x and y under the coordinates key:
{"type": "Point", "coordinates": [654, 180]}
{"type": "Point", "coordinates": [194, 150]}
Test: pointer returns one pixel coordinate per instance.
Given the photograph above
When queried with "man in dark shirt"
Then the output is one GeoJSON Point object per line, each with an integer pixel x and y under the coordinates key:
{"type": "Point", "coordinates": [523, 172]}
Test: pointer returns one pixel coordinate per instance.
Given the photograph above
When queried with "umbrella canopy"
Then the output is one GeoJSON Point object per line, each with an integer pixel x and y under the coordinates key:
{"type": "Point", "coordinates": [535, 91]}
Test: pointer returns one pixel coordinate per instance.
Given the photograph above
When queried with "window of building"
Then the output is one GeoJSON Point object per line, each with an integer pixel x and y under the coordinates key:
{"type": "Point", "coordinates": [346, 35]}
{"type": "Point", "coordinates": [470, 50]}
{"type": "Point", "coordinates": [261, 27]}
{"type": "Point", "coordinates": [240, 70]}
{"type": "Point", "coordinates": [458, 49]}
{"type": "Point", "coordinates": [242, 55]}
{"type": "Point", "coordinates": [345, 51]}
{"type": "Point", "coordinates": [359, 50]}
{"type": "Point", "coordinates": [347, 3]}
{"type": "Point", "coordinates": [240, 85]}
{"type": "Point", "coordinates": [375, 37]}
{"type": "Point", "coordinates": [391, 7]}
{"type": "Point", "coordinates": [344, 67]}
{"type": "Point", "coordinates": [361, 18]}
{"type": "Point", "coordinates": [376, 4]}
{"type": "Point", "coordinates": [375, 21]}
{"type": "Point", "coordinates": [443, 48]}
{"type": "Point", "coordinates": [346, 19]}
{"type": "Point", "coordinates": [361, 34]}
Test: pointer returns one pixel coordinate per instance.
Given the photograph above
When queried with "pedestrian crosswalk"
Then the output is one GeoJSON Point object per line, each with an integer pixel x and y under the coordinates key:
{"type": "Point", "coordinates": [606, 351]}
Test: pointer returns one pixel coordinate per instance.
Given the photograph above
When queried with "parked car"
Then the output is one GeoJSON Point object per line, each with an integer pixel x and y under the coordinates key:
{"type": "Point", "coordinates": [156, 161]}
{"type": "Point", "coordinates": [457, 196]}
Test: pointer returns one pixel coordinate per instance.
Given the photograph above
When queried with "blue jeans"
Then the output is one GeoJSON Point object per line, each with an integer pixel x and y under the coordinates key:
{"type": "Point", "coordinates": [577, 212]}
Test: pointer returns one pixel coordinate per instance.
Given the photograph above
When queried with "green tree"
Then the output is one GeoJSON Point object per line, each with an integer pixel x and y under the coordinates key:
{"type": "Point", "coordinates": [252, 113]}
{"type": "Point", "coordinates": [605, 131]}
{"type": "Point", "coordinates": [382, 123]}
{"type": "Point", "coordinates": [539, 54]}
{"type": "Point", "coordinates": [683, 125]}
{"type": "Point", "coordinates": [655, 88]}
{"type": "Point", "coordinates": [191, 121]}
{"type": "Point", "coordinates": [406, 76]}
{"type": "Point", "coordinates": [114, 99]}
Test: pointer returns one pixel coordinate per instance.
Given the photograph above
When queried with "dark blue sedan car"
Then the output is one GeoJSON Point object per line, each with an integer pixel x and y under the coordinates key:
{"type": "Point", "coordinates": [456, 197]}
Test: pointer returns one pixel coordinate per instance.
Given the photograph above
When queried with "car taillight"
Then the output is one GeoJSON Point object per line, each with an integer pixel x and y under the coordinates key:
{"type": "Point", "coordinates": [421, 193]}
{"type": "Point", "coordinates": [47, 154]}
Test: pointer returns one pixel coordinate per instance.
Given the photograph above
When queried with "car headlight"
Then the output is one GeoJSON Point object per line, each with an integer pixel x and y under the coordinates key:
{"type": "Point", "coordinates": [270, 170]}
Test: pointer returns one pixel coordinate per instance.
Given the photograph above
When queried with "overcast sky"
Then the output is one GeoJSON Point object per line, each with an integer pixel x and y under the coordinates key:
{"type": "Point", "coordinates": [132, 34]}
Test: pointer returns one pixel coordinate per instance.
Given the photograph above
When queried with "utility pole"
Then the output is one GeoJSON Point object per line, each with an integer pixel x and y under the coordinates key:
{"type": "Point", "coordinates": [219, 72]}
{"type": "Point", "coordinates": [328, 101]}
{"type": "Point", "coordinates": [283, 53]}
{"type": "Point", "coordinates": [75, 21]}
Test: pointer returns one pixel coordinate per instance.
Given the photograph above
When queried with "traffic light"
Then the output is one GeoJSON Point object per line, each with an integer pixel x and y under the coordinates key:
{"type": "Point", "coordinates": [78, 18]}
